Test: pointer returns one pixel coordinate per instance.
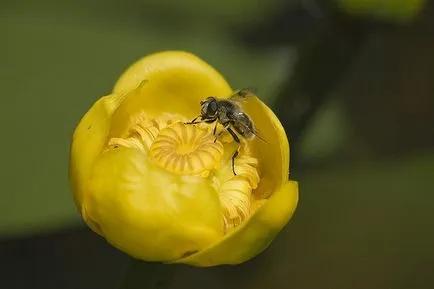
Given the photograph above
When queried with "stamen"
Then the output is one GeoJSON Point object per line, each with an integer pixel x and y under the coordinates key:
{"type": "Point", "coordinates": [183, 143]}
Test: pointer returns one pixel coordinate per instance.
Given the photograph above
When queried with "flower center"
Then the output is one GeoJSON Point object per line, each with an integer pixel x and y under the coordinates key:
{"type": "Point", "coordinates": [186, 149]}
{"type": "Point", "coordinates": [193, 151]}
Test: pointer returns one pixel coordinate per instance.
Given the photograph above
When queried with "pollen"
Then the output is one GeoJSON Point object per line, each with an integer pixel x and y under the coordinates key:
{"type": "Point", "coordinates": [192, 151]}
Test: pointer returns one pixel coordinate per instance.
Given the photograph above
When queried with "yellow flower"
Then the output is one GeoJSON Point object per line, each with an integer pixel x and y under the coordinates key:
{"type": "Point", "coordinates": [162, 190]}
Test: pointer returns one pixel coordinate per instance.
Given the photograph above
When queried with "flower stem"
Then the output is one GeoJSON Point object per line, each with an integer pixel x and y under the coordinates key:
{"type": "Point", "coordinates": [148, 275]}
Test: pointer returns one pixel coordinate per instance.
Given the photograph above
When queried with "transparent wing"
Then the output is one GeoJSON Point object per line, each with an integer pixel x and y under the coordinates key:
{"type": "Point", "coordinates": [243, 94]}
{"type": "Point", "coordinates": [240, 96]}
{"type": "Point", "coordinates": [258, 134]}
{"type": "Point", "coordinates": [253, 130]}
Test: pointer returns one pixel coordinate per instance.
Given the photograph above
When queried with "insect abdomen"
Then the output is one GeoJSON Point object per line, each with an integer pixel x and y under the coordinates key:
{"type": "Point", "coordinates": [244, 126]}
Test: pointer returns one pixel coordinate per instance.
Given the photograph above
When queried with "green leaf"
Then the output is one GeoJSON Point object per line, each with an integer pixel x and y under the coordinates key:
{"type": "Point", "coordinates": [390, 10]}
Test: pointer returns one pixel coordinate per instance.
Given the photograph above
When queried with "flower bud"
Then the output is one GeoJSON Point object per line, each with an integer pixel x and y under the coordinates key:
{"type": "Point", "coordinates": [161, 189]}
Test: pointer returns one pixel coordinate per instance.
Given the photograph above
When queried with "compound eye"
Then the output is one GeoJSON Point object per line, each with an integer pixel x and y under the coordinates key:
{"type": "Point", "coordinates": [212, 107]}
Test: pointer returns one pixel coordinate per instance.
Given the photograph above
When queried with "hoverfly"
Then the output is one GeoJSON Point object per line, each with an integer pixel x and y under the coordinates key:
{"type": "Point", "coordinates": [229, 113]}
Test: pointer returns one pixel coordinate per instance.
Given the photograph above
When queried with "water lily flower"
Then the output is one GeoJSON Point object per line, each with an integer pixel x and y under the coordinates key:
{"type": "Point", "coordinates": [163, 190]}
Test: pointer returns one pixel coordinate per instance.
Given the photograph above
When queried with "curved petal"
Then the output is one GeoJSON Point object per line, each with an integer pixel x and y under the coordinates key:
{"type": "Point", "coordinates": [166, 82]}
{"type": "Point", "coordinates": [88, 140]}
{"type": "Point", "coordinates": [148, 212]}
{"type": "Point", "coordinates": [273, 153]}
{"type": "Point", "coordinates": [166, 62]}
{"type": "Point", "coordinates": [255, 235]}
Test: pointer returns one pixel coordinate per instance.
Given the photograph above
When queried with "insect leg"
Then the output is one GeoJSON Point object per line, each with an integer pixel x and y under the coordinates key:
{"type": "Point", "coordinates": [194, 121]}
{"type": "Point", "coordinates": [225, 127]}
{"type": "Point", "coordinates": [233, 161]}
{"type": "Point", "coordinates": [215, 129]}
{"type": "Point", "coordinates": [234, 135]}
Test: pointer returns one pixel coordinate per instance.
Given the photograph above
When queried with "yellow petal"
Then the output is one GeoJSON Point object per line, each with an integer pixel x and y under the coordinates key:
{"type": "Point", "coordinates": [273, 153]}
{"type": "Point", "coordinates": [165, 82]}
{"type": "Point", "coordinates": [148, 212]}
{"type": "Point", "coordinates": [255, 235]}
{"type": "Point", "coordinates": [88, 140]}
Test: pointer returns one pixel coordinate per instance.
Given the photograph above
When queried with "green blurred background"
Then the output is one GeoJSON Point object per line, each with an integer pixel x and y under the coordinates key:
{"type": "Point", "coordinates": [352, 81]}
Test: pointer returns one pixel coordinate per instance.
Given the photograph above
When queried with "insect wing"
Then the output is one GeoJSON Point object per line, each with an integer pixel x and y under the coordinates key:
{"type": "Point", "coordinates": [242, 95]}
{"type": "Point", "coordinates": [245, 126]}
{"type": "Point", "coordinates": [258, 134]}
